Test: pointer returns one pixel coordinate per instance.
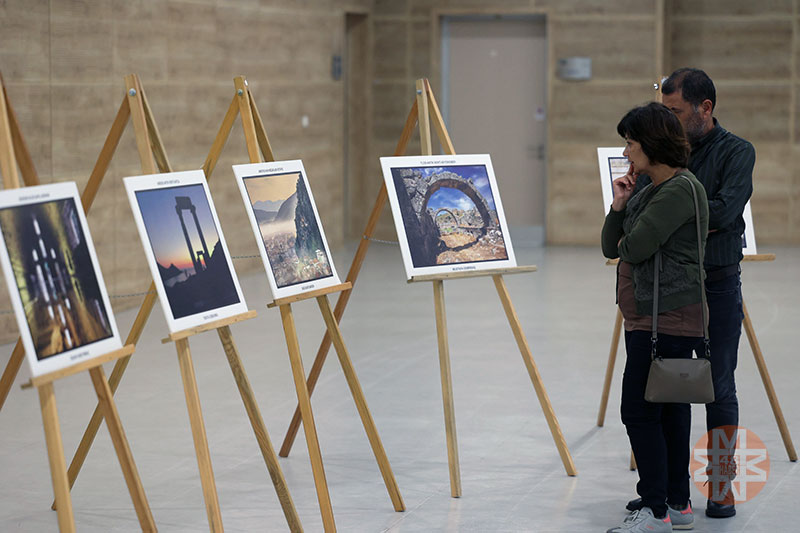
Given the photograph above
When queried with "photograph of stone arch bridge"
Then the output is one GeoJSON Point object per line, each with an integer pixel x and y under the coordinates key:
{"type": "Point", "coordinates": [449, 215]}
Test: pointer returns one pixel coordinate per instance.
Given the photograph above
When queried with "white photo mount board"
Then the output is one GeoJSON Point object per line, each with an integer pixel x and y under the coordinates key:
{"type": "Point", "coordinates": [168, 186]}
{"type": "Point", "coordinates": [48, 280]}
{"type": "Point", "coordinates": [473, 175]}
{"type": "Point", "coordinates": [267, 184]}
{"type": "Point", "coordinates": [612, 162]}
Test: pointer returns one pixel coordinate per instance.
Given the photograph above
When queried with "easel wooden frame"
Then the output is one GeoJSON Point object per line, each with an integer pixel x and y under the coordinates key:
{"type": "Point", "coordinates": [258, 146]}
{"type": "Point", "coordinates": [150, 148]}
{"type": "Point", "coordinates": [423, 108]}
{"type": "Point", "coordinates": [12, 146]}
{"type": "Point", "coordinates": [755, 347]}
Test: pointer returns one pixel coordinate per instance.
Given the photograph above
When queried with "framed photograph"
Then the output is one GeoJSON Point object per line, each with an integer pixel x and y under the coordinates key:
{"type": "Point", "coordinates": [448, 213]}
{"type": "Point", "coordinates": [286, 225]}
{"type": "Point", "coordinates": [614, 165]}
{"type": "Point", "coordinates": [185, 248]}
{"type": "Point", "coordinates": [749, 237]}
{"type": "Point", "coordinates": [54, 279]}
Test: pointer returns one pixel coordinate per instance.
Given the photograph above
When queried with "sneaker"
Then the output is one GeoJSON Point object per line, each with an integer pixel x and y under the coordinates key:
{"type": "Point", "coordinates": [643, 521]}
{"type": "Point", "coordinates": [634, 505]}
{"type": "Point", "coordinates": [719, 510]}
{"type": "Point", "coordinates": [681, 518]}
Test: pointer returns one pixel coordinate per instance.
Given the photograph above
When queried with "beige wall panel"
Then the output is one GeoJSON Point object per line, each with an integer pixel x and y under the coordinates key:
{"type": "Point", "coordinates": [771, 219]}
{"type": "Point", "coordinates": [589, 112]}
{"type": "Point", "coordinates": [82, 115]}
{"type": "Point", "coordinates": [140, 46]}
{"type": "Point", "coordinates": [741, 49]}
{"type": "Point", "coordinates": [731, 7]}
{"type": "Point", "coordinates": [756, 113]}
{"type": "Point", "coordinates": [629, 54]}
{"type": "Point", "coordinates": [81, 50]}
{"type": "Point", "coordinates": [593, 7]}
{"type": "Point", "coordinates": [25, 40]}
{"type": "Point", "coordinates": [794, 219]}
{"type": "Point", "coordinates": [84, 9]}
{"type": "Point", "coordinates": [31, 103]}
{"type": "Point", "coordinates": [392, 102]}
{"type": "Point", "coordinates": [773, 172]}
{"type": "Point", "coordinates": [772, 187]}
{"type": "Point", "coordinates": [391, 7]}
{"type": "Point", "coordinates": [390, 39]}
{"type": "Point", "coordinates": [192, 43]}
{"type": "Point", "coordinates": [421, 50]}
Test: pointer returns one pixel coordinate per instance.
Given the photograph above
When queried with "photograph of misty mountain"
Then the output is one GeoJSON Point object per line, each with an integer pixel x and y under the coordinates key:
{"type": "Point", "coordinates": [449, 215]}
{"type": "Point", "coordinates": [289, 228]}
{"type": "Point", "coordinates": [55, 276]}
{"type": "Point", "coordinates": [187, 249]}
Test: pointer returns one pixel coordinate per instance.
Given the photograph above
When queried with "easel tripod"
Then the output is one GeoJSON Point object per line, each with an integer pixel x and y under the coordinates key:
{"type": "Point", "coordinates": [258, 146]}
{"type": "Point", "coordinates": [424, 111]}
{"type": "Point", "coordinates": [12, 146]}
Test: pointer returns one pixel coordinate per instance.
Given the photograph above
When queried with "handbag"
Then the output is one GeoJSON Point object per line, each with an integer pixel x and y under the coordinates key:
{"type": "Point", "coordinates": [675, 380]}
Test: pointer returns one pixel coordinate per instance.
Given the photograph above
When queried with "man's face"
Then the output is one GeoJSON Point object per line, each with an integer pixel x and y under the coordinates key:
{"type": "Point", "coordinates": [689, 115]}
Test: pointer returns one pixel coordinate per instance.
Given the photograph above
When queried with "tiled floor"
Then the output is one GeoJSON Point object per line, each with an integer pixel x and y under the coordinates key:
{"type": "Point", "coordinates": [512, 477]}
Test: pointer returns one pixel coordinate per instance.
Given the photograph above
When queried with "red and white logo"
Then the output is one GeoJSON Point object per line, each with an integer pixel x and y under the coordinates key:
{"type": "Point", "coordinates": [730, 464]}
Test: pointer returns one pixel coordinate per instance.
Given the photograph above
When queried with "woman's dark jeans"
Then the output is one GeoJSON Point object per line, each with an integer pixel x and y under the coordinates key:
{"type": "Point", "coordinates": [659, 432]}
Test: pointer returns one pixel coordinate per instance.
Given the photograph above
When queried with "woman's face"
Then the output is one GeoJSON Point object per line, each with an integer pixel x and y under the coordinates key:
{"type": "Point", "coordinates": [633, 151]}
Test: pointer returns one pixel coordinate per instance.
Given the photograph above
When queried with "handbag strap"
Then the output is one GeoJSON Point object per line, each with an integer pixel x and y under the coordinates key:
{"type": "Point", "coordinates": [657, 268]}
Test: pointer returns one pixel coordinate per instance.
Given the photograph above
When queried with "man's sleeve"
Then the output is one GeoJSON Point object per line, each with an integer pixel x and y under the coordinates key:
{"type": "Point", "coordinates": [735, 188]}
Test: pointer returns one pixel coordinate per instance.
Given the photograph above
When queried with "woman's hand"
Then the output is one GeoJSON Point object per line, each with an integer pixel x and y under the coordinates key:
{"type": "Point", "coordinates": [623, 188]}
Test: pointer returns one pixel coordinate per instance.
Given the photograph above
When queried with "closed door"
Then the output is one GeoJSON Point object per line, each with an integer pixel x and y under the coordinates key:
{"type": "Point", "coordinates": [494, 77]}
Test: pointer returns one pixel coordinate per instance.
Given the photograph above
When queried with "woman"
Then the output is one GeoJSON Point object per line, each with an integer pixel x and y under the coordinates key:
{"type": "Point", "coordinates": [660, 217]}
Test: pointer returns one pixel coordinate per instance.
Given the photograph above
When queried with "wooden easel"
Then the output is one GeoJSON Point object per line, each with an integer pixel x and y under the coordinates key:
{"type": "Point", "coordinates": [13, 152]}
{"type": "Point", "coordinates": [757, 354]}
{"type": "Point", "coordinates": [150, 147]}
{"type": "Point", "coordinates": [423, 107]}
{"type": "Point", "coordinates": [55, 449]}
{"type": "Point", "coordinates": [12, 146]}
{"type": "Point", "coordinates": [258, 145]}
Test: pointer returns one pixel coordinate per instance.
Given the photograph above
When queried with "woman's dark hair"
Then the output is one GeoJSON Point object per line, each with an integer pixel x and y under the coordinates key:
{"type": "Point", "coordinates": [659, 132]}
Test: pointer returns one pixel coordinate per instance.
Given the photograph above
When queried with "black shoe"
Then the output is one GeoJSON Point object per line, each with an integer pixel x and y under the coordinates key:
{"type": "Point", "coordinates": [634, 505]}
{"type": "Point", "coordinates": [719, 510]}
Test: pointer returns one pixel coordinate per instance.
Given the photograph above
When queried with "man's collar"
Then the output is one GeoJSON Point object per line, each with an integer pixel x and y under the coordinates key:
{"type": "Point", "coordinates": [708, 137]}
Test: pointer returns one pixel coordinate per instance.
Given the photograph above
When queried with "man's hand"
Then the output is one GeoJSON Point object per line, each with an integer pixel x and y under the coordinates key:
{"type": "Point", "coordinates": [623, 188]}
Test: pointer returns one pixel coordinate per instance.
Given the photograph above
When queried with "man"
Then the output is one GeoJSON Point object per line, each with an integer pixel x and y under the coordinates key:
{"type": "Point", "coordinates": [724, 164]}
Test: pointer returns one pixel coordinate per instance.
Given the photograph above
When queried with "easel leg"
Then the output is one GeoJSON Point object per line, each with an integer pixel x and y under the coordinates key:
{"type": "Point", "coordinates": [55, 453]}
{"type": "Point", "coordinates": [765, 378]}
{"type": "Point", "coordinates": [113, 382]}
{"type": "Point", "coordinates": [259, 429]}
{"type": "Point", "coordinates": [612, 358]}
{"type": "Point", "coordinates": [527, 356]}
{"type": "Point", "coordinates": [106, 400]}
{"type": "Point", "coordinates": [361, 403]}
{"type": "Point", "coordinates": [633, 462]}
{"type": "Point", "coordinates": [447, 389]}
{"type": "Point", "coordinates": [352, 275]}
{"type": "Point", "coordinates": [11, 371]}
{"type": "Point", "coordinates": [199, 436]}
{"type": "Point", "coordinates": [309, 427]}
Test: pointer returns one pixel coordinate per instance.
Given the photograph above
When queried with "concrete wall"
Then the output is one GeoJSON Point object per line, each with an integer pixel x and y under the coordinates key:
{"type": "Point", "coordinates": [748, 48]}
{"type": "Point", "coordinates": [64, 60]}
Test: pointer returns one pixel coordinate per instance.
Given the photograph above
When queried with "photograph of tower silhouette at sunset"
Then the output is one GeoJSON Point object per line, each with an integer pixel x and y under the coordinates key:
{"type": "Point", "coordinates": [186, 245]}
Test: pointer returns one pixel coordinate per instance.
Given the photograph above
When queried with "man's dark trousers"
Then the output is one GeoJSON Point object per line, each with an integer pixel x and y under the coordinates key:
{"type": "Point", "coordinates": [724, 330]}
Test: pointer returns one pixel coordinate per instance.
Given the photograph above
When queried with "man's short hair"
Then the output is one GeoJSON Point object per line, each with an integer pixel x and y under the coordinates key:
{"type": "Point", "coordinates": [694, 84]}
{"type": "Point", "coordinates": [659, 132]}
